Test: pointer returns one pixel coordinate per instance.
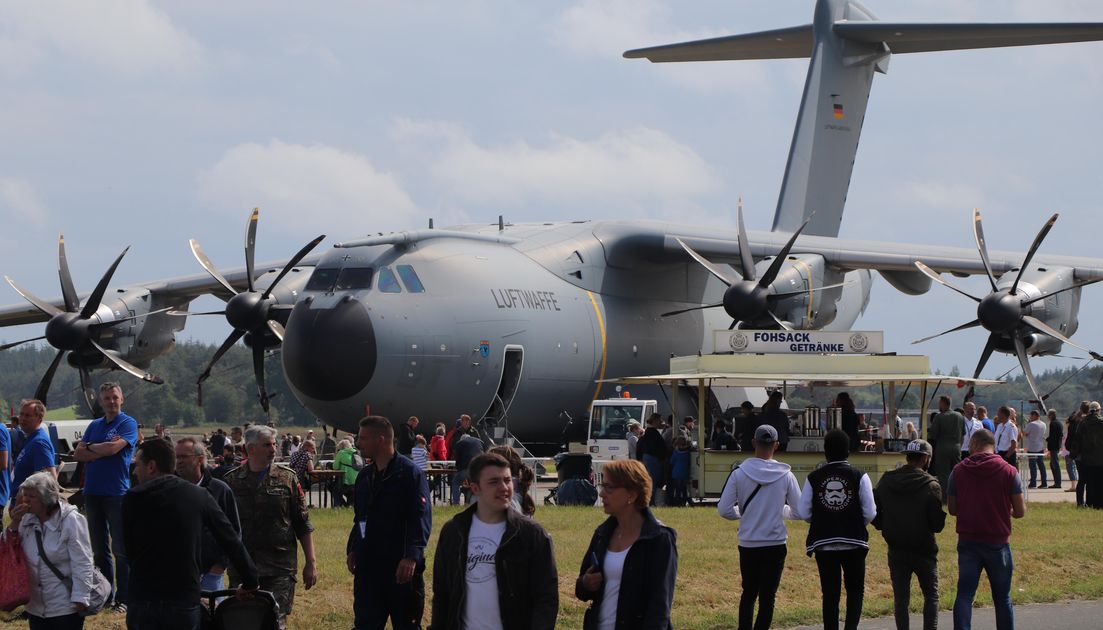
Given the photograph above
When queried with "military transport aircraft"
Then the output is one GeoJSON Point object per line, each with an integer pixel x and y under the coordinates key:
{"type": "Point", "coordinates": [516, 323]}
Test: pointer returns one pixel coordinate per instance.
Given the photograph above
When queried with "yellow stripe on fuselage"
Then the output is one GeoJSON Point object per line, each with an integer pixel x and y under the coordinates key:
{"type": "Point", "coordinates": [601, 327]}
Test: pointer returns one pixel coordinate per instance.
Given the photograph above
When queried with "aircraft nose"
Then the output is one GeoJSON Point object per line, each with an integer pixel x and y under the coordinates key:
{"type": "Point", "coordinates": [329, 353]}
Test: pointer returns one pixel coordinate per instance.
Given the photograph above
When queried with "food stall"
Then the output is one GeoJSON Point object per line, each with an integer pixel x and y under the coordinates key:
{"type": "Point", "coordinates": [783, 371]}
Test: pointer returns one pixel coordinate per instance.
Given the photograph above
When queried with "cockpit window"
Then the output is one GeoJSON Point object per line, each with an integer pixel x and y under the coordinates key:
{"type": "Point", "coordinates": [387, 282]}
{"type": "Point", "coordinates": [410, 279]}
{"type": "Point", "coordinates": [322, 279]}
{"type": "Point", "coordinates": [354, 278]}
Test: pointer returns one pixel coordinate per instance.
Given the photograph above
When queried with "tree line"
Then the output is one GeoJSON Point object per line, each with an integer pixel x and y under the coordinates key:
{"type": "Point", "coordinates": [1079, 384]}
{"type": "Point", "coordinates": [229, 395]}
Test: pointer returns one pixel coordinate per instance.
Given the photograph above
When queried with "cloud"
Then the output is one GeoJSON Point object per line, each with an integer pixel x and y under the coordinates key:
{"type": "Point", "coordinates": [618, 172]}
{"type": "Point", "coordinates": [301, 187]}
{"type": "Point", "coordinates": [606, 28]}
{"type": "Point", "coordinates": [121, 36]}
{"type": "Point", "coordinates": [19, 198]}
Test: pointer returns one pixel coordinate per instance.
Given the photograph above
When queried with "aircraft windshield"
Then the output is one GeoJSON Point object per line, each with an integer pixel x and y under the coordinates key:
{"type": "Point", "coordinates": [611, 422]}
{"type": "Point", "coordinates": [354, 278]}
{"type": "Point", "coordinates": [410, 279]}
{"type": "Point", "coordinates": [387, 282]}
{"type": "Point", "coordinates": [322, 279]}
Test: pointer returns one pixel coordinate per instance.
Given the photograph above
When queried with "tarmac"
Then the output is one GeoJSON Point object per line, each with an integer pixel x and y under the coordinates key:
{"type": "Point", "coordinates": [1070, 615]}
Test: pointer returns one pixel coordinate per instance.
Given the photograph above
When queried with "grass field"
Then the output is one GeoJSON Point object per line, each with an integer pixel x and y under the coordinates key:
{"type": "Point", "coordinates": [1058, 553]}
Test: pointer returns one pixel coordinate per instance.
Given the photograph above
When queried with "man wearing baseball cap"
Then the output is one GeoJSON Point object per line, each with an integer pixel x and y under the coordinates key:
{"type": "Point", "coordinates": [761, 492]}
{"type": "Point", "coordinates": [909, 514]}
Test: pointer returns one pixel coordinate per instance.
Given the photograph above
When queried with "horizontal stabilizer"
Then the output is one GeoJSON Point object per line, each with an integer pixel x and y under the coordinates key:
{"type": "Point", "coordinates": [911, 38]}
{"type": "Point", "coordinates": [784, 43]}
{"type": "Point", "coordinates": [796, 42]}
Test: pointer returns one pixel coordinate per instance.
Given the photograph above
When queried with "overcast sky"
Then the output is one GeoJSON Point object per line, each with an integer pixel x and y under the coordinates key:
{"type": "Point", "coordinates": [140, 123]}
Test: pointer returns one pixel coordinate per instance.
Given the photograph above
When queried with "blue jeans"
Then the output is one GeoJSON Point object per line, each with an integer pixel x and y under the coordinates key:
{"type": "Point", "coordinates": [211, 582]}
{"type": "Point", "coordinates": [159, 615]}
{"type": "Point", "coordinates": [457, 486]}
{"type": "Point", "coordinates": [105, 529]}
{"type": "Point", "coordinates": [1070, 467]}
{"type": "Point", "coordinates": [1037, 467]}
{"type": "Point", "coordinates": [997, 563]}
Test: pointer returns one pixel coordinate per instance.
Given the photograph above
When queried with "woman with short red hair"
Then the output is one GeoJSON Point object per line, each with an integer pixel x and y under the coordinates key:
{"type": "Point", "coordinates": [630, 567]}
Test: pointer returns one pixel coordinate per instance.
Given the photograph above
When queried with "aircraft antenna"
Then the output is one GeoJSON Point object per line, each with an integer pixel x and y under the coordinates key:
{"type": "Point", "coordinates": [501, 224]}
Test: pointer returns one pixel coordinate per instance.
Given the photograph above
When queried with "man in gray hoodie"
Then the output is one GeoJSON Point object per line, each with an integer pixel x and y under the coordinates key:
{"type": "Point", "coordinates": [909, 514]}
{"type": "Point", "coordinates": [761, 492]}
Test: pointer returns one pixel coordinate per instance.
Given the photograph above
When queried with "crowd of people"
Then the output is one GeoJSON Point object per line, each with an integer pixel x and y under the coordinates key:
{"type": "Point", "coordinates": [494, 564]}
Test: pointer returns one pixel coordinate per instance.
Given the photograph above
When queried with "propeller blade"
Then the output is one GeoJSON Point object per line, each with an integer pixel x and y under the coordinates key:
{"type": "Point", "coordinates": [1033, 249]}
{"type": "Point", "coordinates": [933, 275]}
{"type": "Point", "coordinates": [258, 371]}
{"type": "Point", "coordinates": [721, 274]}
{"type": "Point", "coordinates": [779, 321]}
{"type": "Point", "coordinates": [176, 313]}
{"type": "Point", "coordinates": [982, 247]}
{"type": "Point", "coordinates": [1020, 351]}
{"type": "Point", "coordinates": [291, 264]}
{"type": "Point", "coordinates": [42, 305]}
{"type": "Point", "coordinates": [775, 266]}
{"type": "Point", "coordinates": [43, 388]}
{"type": "Point", "coordinates": [277, 329]}
{"type": "Point", "coordinates": [802, 292]}
{"type": "Point", "coordinates": [1067, 379]}
{"type": "Point", "coordinates": [93, 303]}
{"type": "Point", "coordinates": [90, 397]}
{"type": "Point", "coordinates": [746, 261]}
{"type": "Point", "coordinates": [1046, 329]}
{"type": "Point", "coordinates": [19, 343]}
{"type": "Point", "coordinates": [205, 262]}
{"type": "Point", "coordinates": [1075, 285]}
{"type": "Point", "coordinates": [687, 310]}
{"type": "Point", "coordinates": [251, 246]}
{"type": "Point", "coordinates": [972, 324]}
{"type": "Point", "coordinates": [223, 349]}
{"type": "Point", "coordinates": [126, 366]}
{"type": "Point", "coordinates": [68, 291]}
{"type": "Point", "coordinates": [989, 347]}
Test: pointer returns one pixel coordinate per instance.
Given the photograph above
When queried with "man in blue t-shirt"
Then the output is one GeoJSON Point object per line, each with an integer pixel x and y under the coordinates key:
{"type": "Point", "coordinates": [37, 454]}
{"type": "Point", "coordinates": [107, 447]}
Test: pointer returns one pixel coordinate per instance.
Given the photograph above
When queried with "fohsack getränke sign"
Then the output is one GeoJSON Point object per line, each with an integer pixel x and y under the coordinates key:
{"type": "Point", "coordinates": [799, 341]}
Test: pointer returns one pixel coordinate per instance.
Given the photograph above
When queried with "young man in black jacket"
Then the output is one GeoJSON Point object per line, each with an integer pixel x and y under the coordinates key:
{"type": "Point", "coordinates": [838, 502]}
{"type": "Point", "coordinates": [493, 568]}
{"type": "Point", "coordinates": [163, 519]}
{"type": "Point", "coordinates": [909, 514]}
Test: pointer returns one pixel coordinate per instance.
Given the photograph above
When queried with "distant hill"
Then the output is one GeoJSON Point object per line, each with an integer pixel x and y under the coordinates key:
{"type": "Point", "coordinates": [229, 396]}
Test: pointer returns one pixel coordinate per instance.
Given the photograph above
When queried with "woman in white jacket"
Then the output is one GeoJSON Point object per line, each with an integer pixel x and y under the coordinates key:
{"type": "Point", "coordinates": [41, 514]}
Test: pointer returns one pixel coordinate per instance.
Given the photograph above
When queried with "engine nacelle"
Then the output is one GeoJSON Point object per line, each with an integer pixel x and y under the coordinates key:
{"type": "Point", "coordinates": [138, 340]}
{"type": "Point", "coordinates": [1059, 310]}
{"type": "Point", "coordinates": [811, 308]}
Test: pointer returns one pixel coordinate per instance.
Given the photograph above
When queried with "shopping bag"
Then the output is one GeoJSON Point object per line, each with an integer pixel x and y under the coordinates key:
{"type": "Point", "coordinates": [15, 588]}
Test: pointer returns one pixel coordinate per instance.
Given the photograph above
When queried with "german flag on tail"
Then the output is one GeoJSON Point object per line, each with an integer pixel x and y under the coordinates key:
{"type": "Point", "coordinates": [838, 109]}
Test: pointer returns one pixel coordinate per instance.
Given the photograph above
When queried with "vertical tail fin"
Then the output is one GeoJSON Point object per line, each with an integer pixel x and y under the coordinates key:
{"type": "Point", "coordinates": [846, 44]}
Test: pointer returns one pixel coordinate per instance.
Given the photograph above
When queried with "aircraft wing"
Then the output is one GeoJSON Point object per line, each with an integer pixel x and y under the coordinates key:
{"type": "Point", "coordinates": [658, 241]}
{"type": "Point", "coordinates": [181, 289]}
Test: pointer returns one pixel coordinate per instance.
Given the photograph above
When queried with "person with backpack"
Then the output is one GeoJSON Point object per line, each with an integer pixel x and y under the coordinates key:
{"type": "Point", "coordinates": [838, 502]}
{"type": "Point", "coordinates": [761, 492]}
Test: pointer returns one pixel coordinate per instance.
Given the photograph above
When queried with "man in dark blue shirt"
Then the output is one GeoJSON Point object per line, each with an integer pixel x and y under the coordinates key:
{"type": "Point", "coordinates": [37, 453]}
{"type": "Point", "coordinates": [107, 447]}
{"type": "Point", "coordinates": [386, 547]}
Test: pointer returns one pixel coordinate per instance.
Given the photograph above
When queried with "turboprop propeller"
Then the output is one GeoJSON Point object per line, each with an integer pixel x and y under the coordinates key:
{"type": "Point", "coordinates": [1005, 312]}
{"type": "Point", "coordinates": [747, 298]}
{"type": "Point", "coordinates": [250, 312]}
{"type": "Point", "coordinates": [76, 329]}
